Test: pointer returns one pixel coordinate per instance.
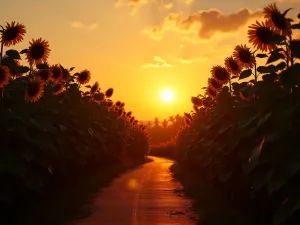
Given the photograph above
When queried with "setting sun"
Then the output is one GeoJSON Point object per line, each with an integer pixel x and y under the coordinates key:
{"type": "Point", "coordinates": [167, 95]}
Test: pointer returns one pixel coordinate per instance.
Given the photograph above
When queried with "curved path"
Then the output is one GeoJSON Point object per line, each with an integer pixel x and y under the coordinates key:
{"type": "Point", "coordinates": [143, 196]}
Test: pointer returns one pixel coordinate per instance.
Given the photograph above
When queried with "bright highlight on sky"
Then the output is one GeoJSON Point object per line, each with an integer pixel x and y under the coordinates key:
{"type": "Point", "coordinates": [167, 95]}
{"type": "Point", "coordinates": [140, 47]}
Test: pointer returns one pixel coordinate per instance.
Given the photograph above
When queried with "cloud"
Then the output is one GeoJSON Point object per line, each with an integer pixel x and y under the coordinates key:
{"type": "Point", "coordinates": [206, 23]}
{"type": "Point", "coordinates": [184, 60]}
{"type": "Point", "coordinates": [78, 24]}
{"type": "Point", "coordinates": [133, 4]}
{"type": "Point", "coordinates": [158, 63]}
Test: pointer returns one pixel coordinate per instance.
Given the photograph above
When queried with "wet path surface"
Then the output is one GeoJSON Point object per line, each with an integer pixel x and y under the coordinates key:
{"type": "Point", "coordinates": [143, 196]}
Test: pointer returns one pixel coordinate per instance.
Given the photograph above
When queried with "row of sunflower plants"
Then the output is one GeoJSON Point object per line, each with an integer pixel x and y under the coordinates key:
{"type": "Point", "coordinates": [53, 125]}
{"type": "Point", "coordinates": [243, 134]}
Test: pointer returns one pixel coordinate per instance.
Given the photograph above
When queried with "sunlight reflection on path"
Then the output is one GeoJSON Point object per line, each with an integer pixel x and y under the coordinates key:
{"type": "Point", "coordinates": [144, 196]}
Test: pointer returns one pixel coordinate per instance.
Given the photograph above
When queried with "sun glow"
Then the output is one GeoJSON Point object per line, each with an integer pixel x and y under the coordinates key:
{"type": "Point", "coordinates": [167, 95]}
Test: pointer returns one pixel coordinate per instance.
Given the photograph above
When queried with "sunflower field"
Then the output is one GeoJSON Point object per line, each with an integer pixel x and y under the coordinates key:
{"type": "Point", "coordinates": [53, 125]}
{"type": "Point", "coordinates": [244, 132]}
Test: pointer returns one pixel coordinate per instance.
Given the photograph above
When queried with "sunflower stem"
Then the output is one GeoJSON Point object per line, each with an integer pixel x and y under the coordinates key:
{"type": "Point", "coordinates": [2, 97]}
{"type": "Point", "coordinates": [1, 53]}
{"type": "Point", "coordinates": [255, 72]}
{"type": "Point", "coordinates": [292, 64]}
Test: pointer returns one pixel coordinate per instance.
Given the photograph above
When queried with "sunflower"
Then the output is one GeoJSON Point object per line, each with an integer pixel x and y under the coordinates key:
{"type": "Point", "coordinates": [120, 112]}
{"type": "Point", "coordinates": [122, 105]}
{"type": "Point", "coordinates": [220, 74]}
{"type": "Point", "coordinates": [13, 33]}
{"type": "Point", "coordinates": [58, 89]}
{"type": "Point", "coordinates": [57, 73]}
{"type": "Point", "coordinates": [188, 116]}
{"type": "Point", "coordinates": [38, 51]}
{"type": "Point", "coordinates": [98, 97]}
{"type": "Point", "coordinates": [84, 77]}
{"type": "Point", "coordinates": [243, 96]}
{"type": "Point", "coordinates": [196, 101]}
{"type": "Point", "coordinates": [34, 90]}
{"type": "Point", "coordinates": [109, 92]}
{"type": "Point", "coordinates": [260, 35]}
{"type": "Point", "coordinates": [109, 104]}
{"type": "Point", "coordinates": [128, 114]}
{"type": "Point", "coordinates": [4, 76]}
{"type": "Point", "coordinates": [65, 75]}
{"type": "Point", "coordinates": [243, 56]}
{"type": "Point", "coordinates": [277, 20]}
{"type": "Point", "coordinates": [118, 103]}
{"type": "Point", "coordinates": [232, 66]}
{"type": "Point", "coordinates": [44, 74]}
{"type": "Point", "coordinates": [211, 92]}
{"type": "Point", "coordinates": [94, 88]}
{"type": "Point", "coordinates": [131, 119]}
{"type": "Point", "coordinates": [196, 109]}
{"type": "Point", "coordinates": [213, 83]}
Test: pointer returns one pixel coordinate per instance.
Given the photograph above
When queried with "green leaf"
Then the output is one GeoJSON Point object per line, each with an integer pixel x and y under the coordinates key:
{"type": "Point", "coordinates": [267, 69]}
{"type": "Point", "coordinates": [295, 26]}
{"type": "Point", "coordinates": [244, 74]}
{"type": "Point", "coordinates": [88, 86]}
{"type": "Point", "coordinates": [42, 66]}
{"type": "Point", "coordinates": [295, 48]}
{"type": "Point", "coordinates": [24, 51]}
{"type": "Point", "coordinates": [261, 55]}
{"type": "Point", "coordinates": [281, 66]}
{"type": "Point", "coordinates": [23, 69]}
{"type": "Point", "coordinates": [13, 54]}
{"type": "Point", "coordinates": [274, 57]}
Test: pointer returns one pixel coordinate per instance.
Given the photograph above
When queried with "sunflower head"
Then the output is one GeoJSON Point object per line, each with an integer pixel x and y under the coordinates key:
{"type": "Point", "coordinates": [276, 19]}
{"type": "Point", "coordinates": [57, 73]}
{"type": "Point", "coordinates": [13, 33]}
{"type": "Point", "coordinates": [34, 90]}
{"type": "Point", "coordinates": [4, 76]}
{"type": "Point", "coordinates": [196, 101]}
{"type": "Point", "coordinates": [98, 97]}
{"type": "Point", "coordinates": [220, 74]}
{"type": "Point", "coordinates": [244, 57]}
{"type": "Point", "coordinates": [232, 66]}
{"type": "Point", "coordinates": [38, 51]}
{"type": "Point", "coordinates": [65, 75]}
{"type": "Point", "coordinates": [94, 88]}
{"type": "Point", "coordinates": [44, 74]}
{"type": "Point", "coordinates": [211, 92]}
{"type": "Point", "coordinates": [84, 77]}
{"type": "Point", "coordinates": [118, 103]}
{"type": "Point", "coordinates": [109, 92]}
{"type": "Point", "coordinates": [214, 84]}
{"type": "Point", "coordinates": [58, 89]}
{"type": "Point", "coordinates": [260, 35]}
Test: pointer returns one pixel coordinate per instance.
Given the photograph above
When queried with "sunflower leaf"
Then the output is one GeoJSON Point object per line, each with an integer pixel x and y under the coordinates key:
{"type": "Point", "coordinates": [286, 11]}
{"type": "Point", "coordinates": [295, 26]}
{"type": "Point", "coordinates": [244, 74]}
{"type": "Point", "coordinates": [234, 77]}
{"type": "Point", "coordinates": [274, 57]}
{"type": "Point", "coordinates": [23, 69]}
{"type": "Point", "coordinates": [281, 66]}
{"type": "Point", "coordinates": [72, 68]}
{"type": "Point", "coordinates": [277, 39]}
{"type": "Point", "coordinates": [261, 55]}
{"type": "Point", "coordinates": [24, 51]}
{"type": "Point", "coordinates": [13, 54]}
{"type": "Point", "coordinates": [42, 66]}
{"type": "Point", "coordinates": [295, 48]}
{"type": "Point", "coordinates": [88, 86]}
{"type": "Point", "coordinates": [203, 88]}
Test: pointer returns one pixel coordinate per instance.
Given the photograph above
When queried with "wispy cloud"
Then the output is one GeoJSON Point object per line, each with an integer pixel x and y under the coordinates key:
{"type": "Point", "coordinates": [158, 62]}
{"type": "Point", "coordinates": [184, 60]}
{"type": "Point", "coordinates": [79, 24]}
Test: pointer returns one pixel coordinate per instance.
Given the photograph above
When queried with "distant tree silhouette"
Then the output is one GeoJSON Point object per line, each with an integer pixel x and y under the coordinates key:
{"type": "Point", "coordinates": [165, 123]}
{"type": "Point", "coordinates": [156, 121]}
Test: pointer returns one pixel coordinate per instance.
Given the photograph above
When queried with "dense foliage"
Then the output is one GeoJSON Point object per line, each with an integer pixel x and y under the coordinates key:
{"type": "Point", "coordinates": [51, 130]}
{"type": "Point", "coordinates": [244, 136]}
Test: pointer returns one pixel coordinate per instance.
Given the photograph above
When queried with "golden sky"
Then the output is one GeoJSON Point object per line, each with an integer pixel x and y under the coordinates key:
{"type": "Point", "coordinates": [139, 47]}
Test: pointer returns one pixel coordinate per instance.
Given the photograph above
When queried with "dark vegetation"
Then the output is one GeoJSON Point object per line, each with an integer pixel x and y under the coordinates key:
{"type": "Point", "coordinates": [243, 136]}
{"type": "Point", "coordinates": [56, 132]}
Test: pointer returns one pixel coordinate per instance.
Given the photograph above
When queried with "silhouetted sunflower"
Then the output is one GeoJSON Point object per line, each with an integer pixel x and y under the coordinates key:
{"type": "Point", "coordinates": [196, 109]}
{"type": "Point", "coordinates": [122, 105]}
{"type": "Point", "coordinates": [109, 104]}
{"type": "Point", "coordinates": [94, 88]}
{"type": "Point", "coordinates": [58, 89]}
{"type": "Point", "coordinates": [276, 19]}
{"type": "Point", "coordinates": [211, 92]}
{"type": "Point", "coordinates": [243, 56]}
{"type": "Point", "coordinates": [84, 77]}
{"type": "Point", "coordinates": [187, 121]}
{"type": "Point", "coordinates": [243, 96]}
{"type": "Point", "coordinates": [44, 74]}
{"type": "Point", "coordinates": [232, 66]}
{"type": "Point", "coordinates": [196, 101]}
{"type": "Point", "coordinates": [213, 83]}
{"type": "Point", "coordinates": [65, 75]}
{"type": "Point", "coordinates": [98, 97]}
{"type": "Point", "coordinates": [120, 112]}
{"type": "Point", "coordinates": [34, 90]}
{"type": "Point", "coordinates": [38, 51]}
{"type": "Point", "coordinates": [118, 103]}
{"type": "Point", "coordinates": [4, 76]}
{"type": "Point", "coordinates": [187, 115]}
{"type": "Point", "coordinates": [13, 33]}
{"type": "Point", "coordinates": [109, 92]}
{"type": "Point", "coordinates": [220, 74]}
{"type": "Point", "coordinates": [128, 114]}
{"type": "Point", "coordinates": [131, 119]}
{"type": "Point", "coordinates": [260, 35]}
{"type": "Point", "coordinates": [57, 73]}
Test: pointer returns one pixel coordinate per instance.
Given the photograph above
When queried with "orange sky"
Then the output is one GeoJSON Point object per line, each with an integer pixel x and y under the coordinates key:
{"type": "Point", "coordinates": [139, 47]}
